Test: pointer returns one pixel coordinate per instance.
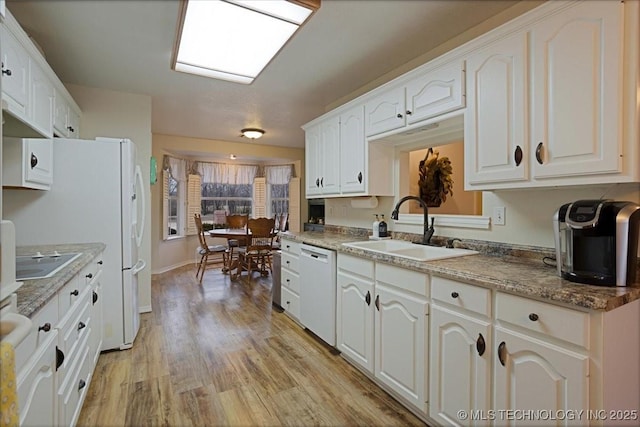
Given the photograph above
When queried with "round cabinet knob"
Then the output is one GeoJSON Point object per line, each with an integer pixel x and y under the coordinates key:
{"type": "Point", "coordinates": [100, 262]}
{"type": "Point", "coordinates": [454, 295]}
{"type": "Point", "coordinates": [81, 384]}
{"type": "Point", "coordinates": [533, 317]}
{"type": "Point", "coordinates": [399, 115]}
{"type": "Point", "coordinates": [74, 293]}
{"type": "Point", "coordinates": [6, 72]}
{"type": "Point", "coordinates": [81, 325]}
{"type": "Point", "coordinates": [46, 327]}
{"type": "Point", "coordinates": [89, 276]}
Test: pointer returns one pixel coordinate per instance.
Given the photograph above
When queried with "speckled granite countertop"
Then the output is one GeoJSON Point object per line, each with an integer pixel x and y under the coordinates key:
{"type": "Point", "coordinates": [34, 294]}
{"type": "Point", "coordinates": [519, 275]}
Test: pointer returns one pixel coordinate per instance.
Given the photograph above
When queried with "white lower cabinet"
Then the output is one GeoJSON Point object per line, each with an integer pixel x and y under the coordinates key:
{"type": "Point", "coordinates": [290, 278]}
{"type": "Point", "coordinates": [533, 375]}
{"type": "Point", "coordinates": [401, 342]}
{"type": "Point", "coordinates": [354, 310]}
{"type": "Point", "coordinates": [382, 325]}
{"type": "Point", "coordinates": [460, 366]}
{"type": "Point", "coordinates": [55, 362]}
{"type": "Point", "coordinates": [36, 383]}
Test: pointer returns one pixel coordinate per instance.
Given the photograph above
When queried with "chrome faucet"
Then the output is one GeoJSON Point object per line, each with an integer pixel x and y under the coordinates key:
{"type": "Point", "coordinates": [428, 230]}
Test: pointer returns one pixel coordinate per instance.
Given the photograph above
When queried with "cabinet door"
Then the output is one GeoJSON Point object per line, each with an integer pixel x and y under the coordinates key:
{"type": "Point", "coordinates": [495, 119]}
{"type": "Point", "coordinates": [60, 112]}
{"type": "Point", "coordinates": [312, 153]}
{"type": "Point", "coordinates": [577, 78]}
{"type": "Point", "coordinates": [532, 375]}
{"type": "Point", "coordinates": [401, 341]}
{"type": "Point", "coordinates": [329, 157]}
{"type": "Point", "coordinates": [460, 368]}
{"type": "Point", "coordinates": [15, 74]}
{"type": "Point", "coordinates": [36, 386]}
{"type": "Point", "coordinates": [385, 112]}
{"type": "Point", "coordinates": [73, 124]}
{"type": "Point", "coordinates": [437, 92]}
{"type": "Point", "coordinates": [38, 161]}
{"type": "Point", "coordinates": [41, 105]}
{"type": "Point", "coordinates": [353, 148]}
{"type": "Point", "coordinates": [354, 320]}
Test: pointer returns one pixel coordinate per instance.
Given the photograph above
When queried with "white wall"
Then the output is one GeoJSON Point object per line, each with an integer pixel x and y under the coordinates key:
{"type": "Point", "coordinates": [528, 215]}
{"type": "Point", "coordinates": [122, 115]}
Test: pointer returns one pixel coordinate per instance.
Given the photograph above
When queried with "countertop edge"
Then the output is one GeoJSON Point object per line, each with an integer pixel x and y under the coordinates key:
{"type": "Point", "coordinates": [545, 286]}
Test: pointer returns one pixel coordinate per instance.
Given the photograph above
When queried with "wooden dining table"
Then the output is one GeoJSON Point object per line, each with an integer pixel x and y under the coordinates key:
{"type": "Point", "coordinates": [232, 234]}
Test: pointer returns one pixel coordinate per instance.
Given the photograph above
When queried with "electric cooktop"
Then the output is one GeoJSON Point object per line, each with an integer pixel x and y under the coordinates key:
{"type": "Point", "coordinates": [39, 266]}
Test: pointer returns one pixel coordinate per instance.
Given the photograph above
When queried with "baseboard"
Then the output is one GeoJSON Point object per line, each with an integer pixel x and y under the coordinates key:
{"type": "Point", "coordinates": [144, 309]}
{"type": "Point", "coordinates": [172, 267]}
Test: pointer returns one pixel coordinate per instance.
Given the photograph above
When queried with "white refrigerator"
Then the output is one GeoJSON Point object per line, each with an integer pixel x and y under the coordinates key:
{"type": "Point", "coordinates": [97, 195]}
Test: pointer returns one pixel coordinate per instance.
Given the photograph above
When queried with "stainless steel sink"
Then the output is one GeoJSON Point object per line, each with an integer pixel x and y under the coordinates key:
{"type": "Point", "coordinates": [404, 249]}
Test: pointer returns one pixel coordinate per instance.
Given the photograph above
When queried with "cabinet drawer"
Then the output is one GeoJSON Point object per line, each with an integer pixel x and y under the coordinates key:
{"type": "Point", "coordinates": [290, 247]}
{"type": "Point", "coordinates": [290, 280]}
{"type": "Point", "coordinates": [290, 262]}
{"type": "Point", "coordinates": [291, 303]}
{"type": "Point", "coordinates": [72, 333]}
{"type": "Point", "coordinates": [69, 295]}
{"type": "Point", "coordinates": [402, 278]}
{"type": "Point", "coordinates": [43, 324]}
{"type": "Point", "coordinates": [461, 295]}
{"type": "Point", "coordinates": [72, 393]}
{"type": "Point", "coordinates": [91, 272]}
{"type": "Point", "coordinates": [548, 319]}
{"type": "Point", "coordinates": [355, 265]}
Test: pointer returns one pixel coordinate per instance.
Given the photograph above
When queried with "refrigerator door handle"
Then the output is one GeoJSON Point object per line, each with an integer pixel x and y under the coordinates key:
{"type": "Point", "coordinates": [140, 230]}
{"type": "Point", "coordinates": [140, 265]}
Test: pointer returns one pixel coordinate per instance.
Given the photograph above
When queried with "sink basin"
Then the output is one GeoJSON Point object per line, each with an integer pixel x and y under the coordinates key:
{"type": "Point", "coordinates": [404, 249]}
{"type": "Point", "coordinates": [14, 328]}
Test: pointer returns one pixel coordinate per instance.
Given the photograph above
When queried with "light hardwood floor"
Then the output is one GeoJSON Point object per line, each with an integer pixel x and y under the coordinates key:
{"type": "Point", "coordinates": [216, 354]}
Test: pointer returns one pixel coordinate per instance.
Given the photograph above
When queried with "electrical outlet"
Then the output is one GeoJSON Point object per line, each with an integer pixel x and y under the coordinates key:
{"type": "Point", "coordinates": [498, 215]}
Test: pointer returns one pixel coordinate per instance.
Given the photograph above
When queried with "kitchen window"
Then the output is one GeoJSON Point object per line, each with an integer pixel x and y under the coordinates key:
{"type": "Point", "coordinates": [226, 187]}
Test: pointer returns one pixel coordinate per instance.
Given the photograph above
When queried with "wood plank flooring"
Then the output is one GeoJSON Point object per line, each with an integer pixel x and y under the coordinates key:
{"type": "Point", "coordinates": [216, 354]}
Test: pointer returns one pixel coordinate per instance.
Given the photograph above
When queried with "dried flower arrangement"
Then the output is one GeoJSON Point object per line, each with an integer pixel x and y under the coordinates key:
{"type": "Point", "coordinates": [435, 180]}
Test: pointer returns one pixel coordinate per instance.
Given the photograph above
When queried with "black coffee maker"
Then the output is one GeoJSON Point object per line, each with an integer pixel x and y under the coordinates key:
{"type": "Point", "coordinates": [597, 242]}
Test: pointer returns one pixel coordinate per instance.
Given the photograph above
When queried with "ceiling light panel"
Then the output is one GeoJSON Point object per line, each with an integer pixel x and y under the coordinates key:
{"type": "Point", "coordinates": [234, 40]}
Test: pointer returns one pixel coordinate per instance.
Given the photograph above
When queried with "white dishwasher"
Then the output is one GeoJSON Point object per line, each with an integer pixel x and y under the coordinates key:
{"type": "Point", "coordinates": [318, 291]}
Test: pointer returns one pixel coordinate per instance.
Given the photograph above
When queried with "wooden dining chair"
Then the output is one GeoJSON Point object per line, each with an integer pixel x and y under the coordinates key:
{"type": "Point", "coordinates": [205, 251]}
{"type": "Point", "coordinates": [281, 226]}
{"type": "Point", "coordinates": [257, 254]}
{"type": "Point", "coordinates": [235, 222]}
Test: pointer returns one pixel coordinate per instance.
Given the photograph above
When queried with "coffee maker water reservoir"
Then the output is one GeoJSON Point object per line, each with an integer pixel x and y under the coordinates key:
{"type": "Point", "coordinates": [597, 242]}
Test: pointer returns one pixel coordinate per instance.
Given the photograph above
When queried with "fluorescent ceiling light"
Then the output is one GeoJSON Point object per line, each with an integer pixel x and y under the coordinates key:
{"type": "Point", "coordinates": [235, 39]}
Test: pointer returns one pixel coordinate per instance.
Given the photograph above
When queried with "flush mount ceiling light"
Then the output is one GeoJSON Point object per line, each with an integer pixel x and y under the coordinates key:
{"type": "Point", "coordinates": [235, 39]}
{"type": "Point", "coordinates": [252, 133]}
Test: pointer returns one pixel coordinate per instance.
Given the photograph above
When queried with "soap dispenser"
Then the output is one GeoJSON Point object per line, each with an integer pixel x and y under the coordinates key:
{"type": "Point", "coordinates": [382, 227]}
{"type": "Point", "coordinates": [376, 227]}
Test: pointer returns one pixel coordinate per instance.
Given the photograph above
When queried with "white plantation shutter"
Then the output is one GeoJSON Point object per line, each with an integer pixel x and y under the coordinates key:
{"type": "Point", "coordinates": [165, 204]}
{"type": "Point", "coordinates": [260, 197]}
{"type": "Point", "coordinates": [294, 204]}
{"type": "Point", "coordinates": [194, 191]}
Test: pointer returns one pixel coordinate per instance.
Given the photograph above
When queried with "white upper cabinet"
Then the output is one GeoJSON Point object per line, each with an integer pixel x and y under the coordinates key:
{"type": "Point", "coordinates": [547, 98]}
{"type": "Point", "coordinates": [496, 114]}
{"type": "Point", "coordinates": [15, 74]}
{"type": "Point", "coordinates": [437, 92]}
{"type": "Point", "coordinates": [353, 152]}
{"type": "Point", "coordinates": [431, 93]}
{"type": "Point", "coordinates": [322, 158]}
{"type": "Point", "coordinates": [27, 163]}
{"type": "Point", "coordinates": [36, 101]}
{"type": "Point", "coordinates": [41, 105]}
{"type": "Point", "coordinates": [66, 120]}
{"type": "Point", "coordinates": [385, 112]}
{"type": "Point", "coordinates": [577, 100]}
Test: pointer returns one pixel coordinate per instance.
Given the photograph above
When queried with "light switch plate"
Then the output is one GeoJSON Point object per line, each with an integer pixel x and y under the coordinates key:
{"type": "Point", "coordinates": [498, 215]}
